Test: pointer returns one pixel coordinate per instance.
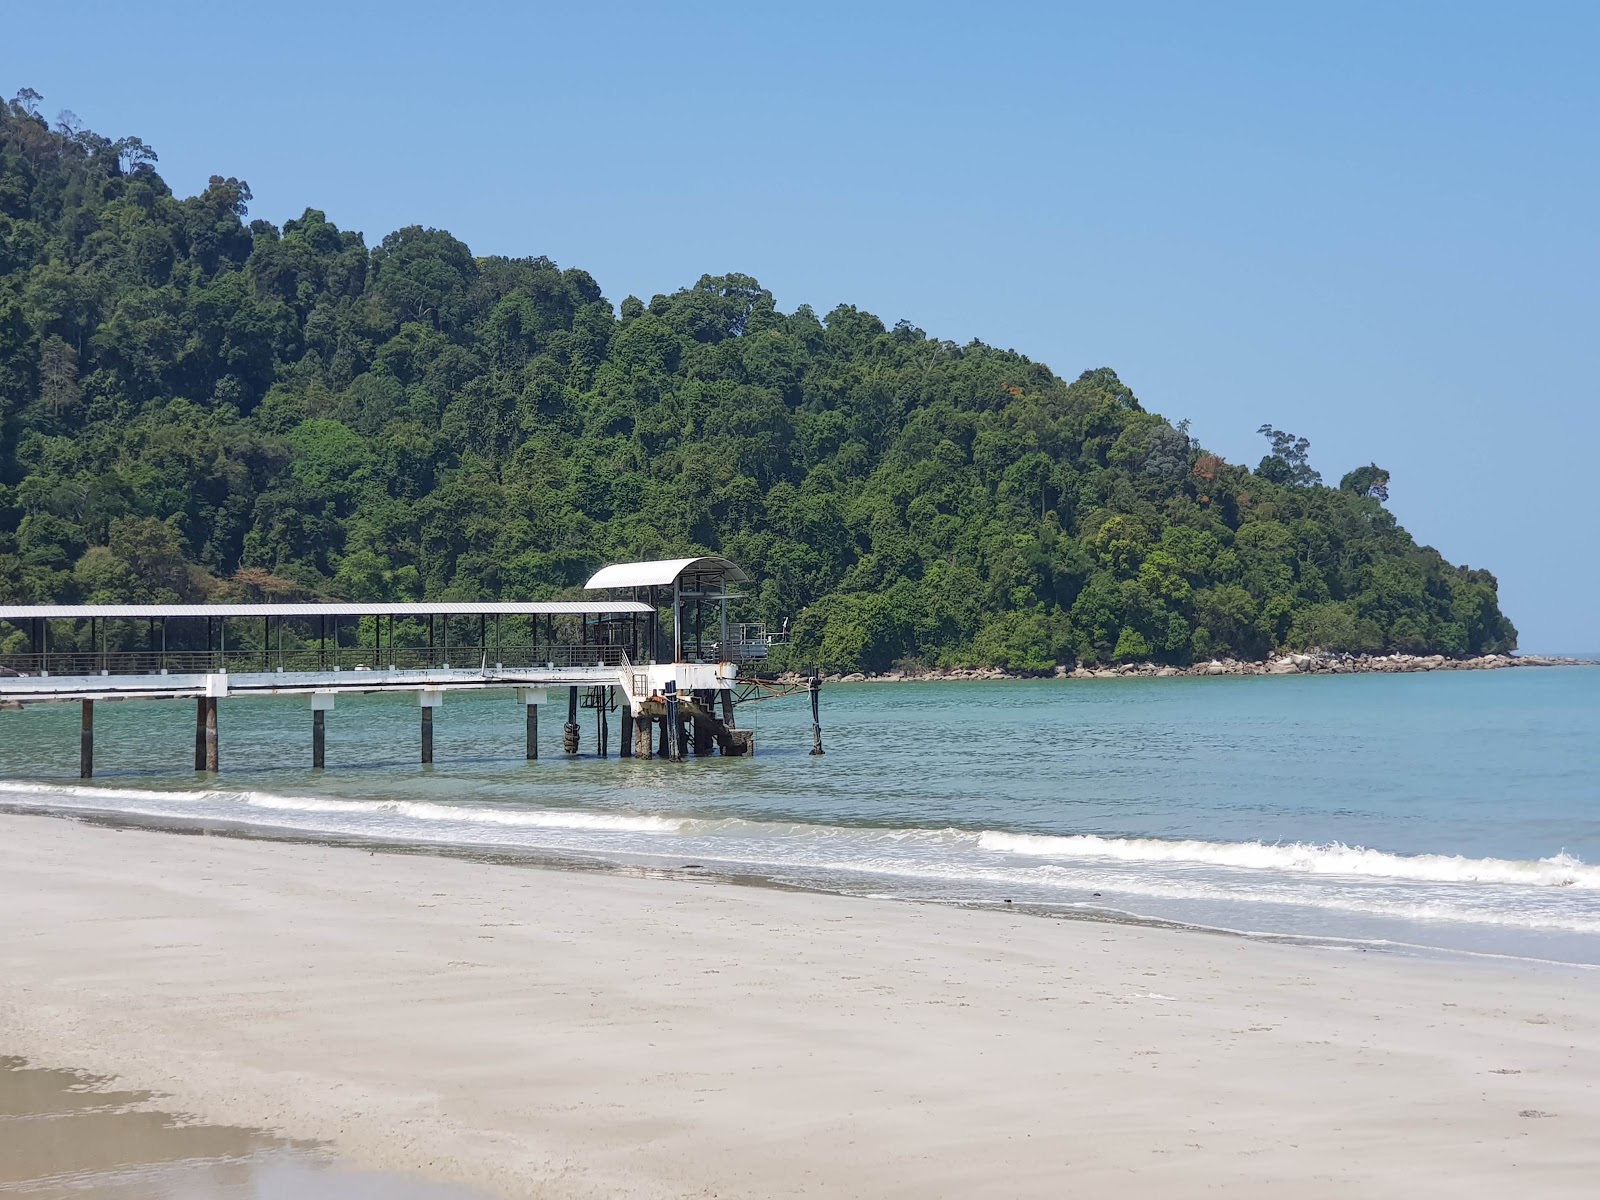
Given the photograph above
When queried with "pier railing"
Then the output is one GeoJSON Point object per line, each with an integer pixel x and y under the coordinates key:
{"type": "Point", "coordinates": [346, 658]}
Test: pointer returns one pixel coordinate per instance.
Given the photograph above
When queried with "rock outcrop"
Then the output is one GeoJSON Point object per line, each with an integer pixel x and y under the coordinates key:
{"type": "Point", "coordinates": [1315, 662]}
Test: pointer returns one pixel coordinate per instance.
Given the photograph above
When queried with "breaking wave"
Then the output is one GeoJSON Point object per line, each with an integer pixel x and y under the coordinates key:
{"type": "Point", "coordinates": [138, 801]}
{"type": "Point", "coordinates": [1334, 858]}
{"type": "Point", "coordinates": [1138, 875]}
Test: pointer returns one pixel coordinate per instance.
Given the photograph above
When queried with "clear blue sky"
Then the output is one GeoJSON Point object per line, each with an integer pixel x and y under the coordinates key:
{"type": "Point", "coordinates": [1375, 225]}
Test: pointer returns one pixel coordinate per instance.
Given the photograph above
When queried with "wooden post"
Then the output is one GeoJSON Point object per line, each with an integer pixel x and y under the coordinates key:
{"type": "Point", "coordinates": [213, 756]}
{"type": "Point", "coordinates": [533, 733]}
{"type": "Point", "coordinates": [661, 738]}
{"type": "Point", "coordinates": [200, 733]}
{"type": "Point", "coordinates": [569, 735]}
{"type": "Point", "coordinates": [726, 696]}
{"type": "Point", "coordinates": [625, 743]}
{"type": "Point", "coordinates": [86, 742]}
{"type": "Point", "coordinates": [602, 722]}
{"type": "Point", "coordinates": [816, 722]}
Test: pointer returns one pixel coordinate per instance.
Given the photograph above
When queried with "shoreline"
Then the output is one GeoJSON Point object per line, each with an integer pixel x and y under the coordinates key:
{"type": "Point", "coordinates": [572, 1033]}
{"type": "Point", "coordinates": [1312, 663]}
{"type": "Point", "coordinates": [723, 875]}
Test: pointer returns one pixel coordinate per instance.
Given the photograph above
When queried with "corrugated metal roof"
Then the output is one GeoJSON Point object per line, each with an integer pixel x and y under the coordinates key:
{"type": "Point", "coordinates": [442, 608]}
{"type": "Point", "coordinates": [661, 572]}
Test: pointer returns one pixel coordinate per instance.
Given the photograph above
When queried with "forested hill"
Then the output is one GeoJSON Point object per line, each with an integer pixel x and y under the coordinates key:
{"type": "Point", "coordinates": [197, 405]}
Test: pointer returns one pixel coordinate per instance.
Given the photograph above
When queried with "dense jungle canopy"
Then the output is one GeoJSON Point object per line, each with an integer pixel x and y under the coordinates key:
{"type": "Point", "coordinates": [197, 405]}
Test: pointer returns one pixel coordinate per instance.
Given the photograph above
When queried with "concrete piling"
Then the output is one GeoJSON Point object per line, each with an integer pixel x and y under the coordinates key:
{"type": "Point", "coordinates": [674, 725]}
{"type": "Point", "coordinates": [428, 699]}
{"type": "Point", "coordinates": [213, 748]}
{"type": "Point", "coordinates": [86, 742]}
{"type": "Point", "coordinates": [319, 703]}
{"type": "Point", "coordinates": [569, 733]}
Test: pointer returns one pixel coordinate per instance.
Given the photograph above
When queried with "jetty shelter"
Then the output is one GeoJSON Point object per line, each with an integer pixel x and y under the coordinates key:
{"type": "Point", "coordinates": [612, 653]}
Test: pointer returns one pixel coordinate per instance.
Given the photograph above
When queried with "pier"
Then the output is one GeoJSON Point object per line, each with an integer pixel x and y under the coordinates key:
{"type": "Point", "coordinates": [673, 685]}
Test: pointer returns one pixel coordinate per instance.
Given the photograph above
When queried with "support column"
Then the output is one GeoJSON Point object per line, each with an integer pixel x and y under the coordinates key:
{"type": "Point", "coordinates": [319, 703]}
{"type": "Point", "coordinates": [569, 735]}
{"type": "Point", "coordinates": [674, 727]}
{"type": "Point", "coordinates": [200, 733]}
{"type": "Point", "coordinates": [86, 742]}
{"type": "Point", "coordinates": [726, 696]}
{"type": "Point", "coordinates": [213, 756]}
{"type": "Point", "coordinates": [530, 699]}
{"type": "Point", "coordinates": [625, 743]}
{"type": "Point", "coordinates": [661, 738]}
{"type": "Point", "coordinates": [700, 731]}
{"type": "Point", "coordinates": [643, 742]}
{"type": "Point", "coordinates": [602, 723]}
{"type": "Point", "coordinates": [428, 699]}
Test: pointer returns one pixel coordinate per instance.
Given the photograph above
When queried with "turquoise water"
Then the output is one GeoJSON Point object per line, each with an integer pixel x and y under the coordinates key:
{"type": "Point", "coordinates": [1456, 811]}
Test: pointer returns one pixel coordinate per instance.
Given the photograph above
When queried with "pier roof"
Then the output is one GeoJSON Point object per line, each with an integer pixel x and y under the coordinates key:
{"type": "Point", "coordinates": [662, 572]}
{"type": "Point", "coordinates": [438, 608]}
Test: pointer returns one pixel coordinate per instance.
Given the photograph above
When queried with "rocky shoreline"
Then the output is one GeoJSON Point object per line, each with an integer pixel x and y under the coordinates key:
{"type": "Point", "coordinates": [1314, 663]}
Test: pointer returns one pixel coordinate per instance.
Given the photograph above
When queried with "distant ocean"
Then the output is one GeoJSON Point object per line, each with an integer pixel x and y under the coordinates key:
{"type": "Point", "coordinates": [1456, 812]}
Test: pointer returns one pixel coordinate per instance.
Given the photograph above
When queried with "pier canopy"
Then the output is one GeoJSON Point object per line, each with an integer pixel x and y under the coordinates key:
{"type": "Point", "coordinates": [138, 638]}
{"type": "Point", "coordinates": [666, 572]}
{"type": "Point", "coordinates": [690, 586]}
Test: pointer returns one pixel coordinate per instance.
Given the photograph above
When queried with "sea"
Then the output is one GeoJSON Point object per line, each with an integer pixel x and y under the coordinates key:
{"type": "Point", "coordinates": [1451, 813]}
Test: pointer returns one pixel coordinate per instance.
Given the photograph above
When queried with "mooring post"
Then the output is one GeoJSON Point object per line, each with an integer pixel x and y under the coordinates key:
{"type": "Point", "coordinates": [625, 743]}
{"type": "Point", "coordinates": [569, 734]}
{"type": "Point", "coordinates": [200, 733]}
{"type": "Point", "coordinates": [674, 728]}
{"type": "Point", "coordinates": [86, 742]}
{"type": "Point", "coordinates": [213, 755]}
{"type": "Point", "coordinates": [816, 720]}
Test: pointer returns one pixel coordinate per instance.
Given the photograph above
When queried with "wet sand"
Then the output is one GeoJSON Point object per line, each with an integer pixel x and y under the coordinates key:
{"type": "Point", "coordinates": [547, 1033]}
{"type": "Point", "coordinates": [65, 1135]}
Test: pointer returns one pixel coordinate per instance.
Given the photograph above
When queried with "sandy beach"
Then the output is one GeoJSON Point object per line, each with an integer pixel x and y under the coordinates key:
{"type": "Point", "coordinates": [538, 1032]}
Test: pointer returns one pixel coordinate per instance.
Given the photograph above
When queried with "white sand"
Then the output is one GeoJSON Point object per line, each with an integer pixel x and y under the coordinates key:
{"type": "Point", "coordinates": [548, 1033]}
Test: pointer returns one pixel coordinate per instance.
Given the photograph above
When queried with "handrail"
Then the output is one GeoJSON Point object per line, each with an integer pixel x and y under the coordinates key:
{"type": "Point", "coordinates": [347, 658]}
